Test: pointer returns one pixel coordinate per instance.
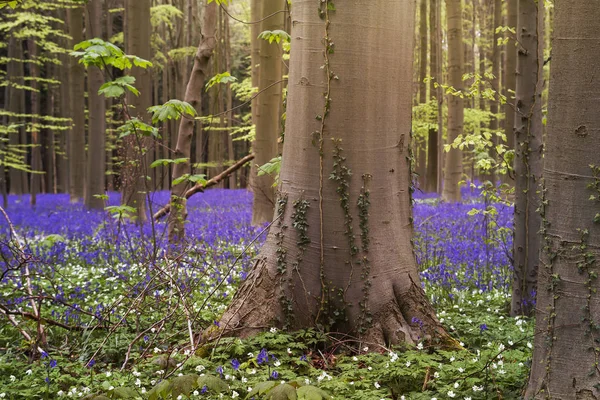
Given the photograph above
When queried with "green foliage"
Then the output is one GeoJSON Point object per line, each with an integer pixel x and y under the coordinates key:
{"type": "Point", "coordinates": [117, 87]}
{"type": "Point", "coordinates": [136, 126]}
{"type": "Point", "coordinates": [276, 36]}
{"type": "Point", "coordinates": [199, 179]}
{"type": "Point", "coordinates": [166, 161]}
{"type": "Point", "coordinates": [224, 77]}
{"type": "Point", "coordinates": [11, 3]}
{"type": "Point", "coordinates": [172, 109]}
{"type": "Point", "coordinates": [273, 167]}
{"type": "Point", "coordinates": [99, 53]}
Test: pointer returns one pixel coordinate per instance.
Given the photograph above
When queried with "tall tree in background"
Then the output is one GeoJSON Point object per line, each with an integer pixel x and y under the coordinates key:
{"type": "Point", "coordinates": [137, 42]}
{"type": "Point", "coordinates": [35, 101]}
{"type": "Point", "coordinates": [565, 358]}
{"type": "Point", "coordinates": [267, 113]}
{"type": "Point", "coordinates": [16, 105]}
{"type": "Point", "coordinates": [528, 154]}
{"type": "Point", "coordinates": [453, 163]}
{"type": "Point", "coordinates": [347, 132]}
{"type": "Point", "coordinates": [422, 98]}
{"type": "Point", "coordinates": [193, 96]}
{"type": "Point", "coordinates": [510, 76]}
{"type": "Point", "coordinates": [434, 135]}
{"type": "Point", "coordinates": [96, 155]}
{"type": "Point", "coordinates": [76, 83]}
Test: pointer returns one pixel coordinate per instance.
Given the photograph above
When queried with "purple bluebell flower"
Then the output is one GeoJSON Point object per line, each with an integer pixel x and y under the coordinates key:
{"type": "Point", "coordinates": [263, 357]}
{"type": "Point", "coordinates": [235, 364]}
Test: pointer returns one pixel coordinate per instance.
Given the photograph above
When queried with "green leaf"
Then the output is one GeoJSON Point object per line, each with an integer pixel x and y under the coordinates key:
{"type": "Point", "coordinates": [183, 385]}
{"type": "Point", "coordinates": [160, 391]}
{"type": "Point", "coordinates": [262, 388]}
{"type": "Point", "coordinates": [135, 126]}
{"type": "Point", "coordinates": [124, 393]}
{"type": "Point", "coordinates": [310, 392]}
{"type": "Point", "coordinates": [224, 77]}
{"type": "Point", "coordinates": [275, 36]}
{"type": "Point", "coordinates": [213, 383]}
{"type": "Point", "coordinates": [110, 89]}
{"type": "Point", "coordinates": [282, 392]}
{"type": "Point", "coordinates": [172, 109]}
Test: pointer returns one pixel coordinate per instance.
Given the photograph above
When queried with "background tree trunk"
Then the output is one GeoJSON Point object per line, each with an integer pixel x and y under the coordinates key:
{"type": "Point", "coordinates": [35, 99]}
{"type": "Point", "coordinates": [193, 95]}
{"type": "Point", "coordinates": [565, 359]}
{"type": "Point", "coordinates": [76, 138]}
{"type": "Point", "coordinates": [342, 119]}
{"type": "Point", "coordinates": [453, 167]}
{"type": "Point", "coordinates": [97, 116]}
{"type": "Point", "coordinates": [133, 176]}
{"type": "Point", "coordinates": [510, 77]}
{"type": "Point", "coordinates": [528, 155]}
{"type": "Point", "coordinates": [422, 144]}
{"type": "Point", "coordinates": [267, 115]}
{"type": "Point", "coordinates": [431, 180]}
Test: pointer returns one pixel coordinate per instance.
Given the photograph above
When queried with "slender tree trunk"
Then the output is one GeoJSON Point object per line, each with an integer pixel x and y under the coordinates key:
{"type": "Point", "coordinates": [133, 176]}
{"type": "Point", "coordinates": [62, 162]}
{"type": "Point", "coordinates": [76, 139]}
{"type": "Point", "coordinates": [432, 141]}
{"type": "Point", "coordinates": [453, 167]}
{"type": "Point", "coordinates": [422, 146]}
{"type": "Point", "coordinates": [440, 94]}
{"type": "Point", "coordinates": [193, 95]}
{"type": "Point", "coordinates": [97, 117]}
{"type": "Point", "coordinates": [565, 358]}
{"type": "Point", "coordinates": [267, 115]}
{"type": "Point", "coordinates": [49, 137]}
{"type": "Point", "coordinates": [309, 271]}
{"type": "Point", "coordinates": [510, 77]}
{"type": "Point", "coordinates": [36, 150]}
{"type": "Point", "coordinates": [528, 155]}
{"type": "Point", "coordinates": [15, 106]}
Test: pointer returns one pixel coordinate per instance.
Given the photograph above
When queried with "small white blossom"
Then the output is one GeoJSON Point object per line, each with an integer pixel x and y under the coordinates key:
{"type": "Point", "coordinates": [29, 372]}
{"type": "Point", "coordinates": [529, 345]}
{"type": "Point", "coordinates": [200, 368]}
{"type": "Point", "coordinates": [451, 394]}
{"type": "Point", "coordinates": [377, 385]}
{"type": "Point", "coordinates": [13, 378]}
{"type": "Point", "coordinates": [408, 364]}
{"type": "Point", "coordinates": [456, 385]}
{"type": "Point", "coordinates": [273, 330]}
{"type": "Point", "coordinates": [138, 383]}
{"type": "Point", "coordinates": [365, 349]}
{"type": "Point", "coordinates": [477, 388]}
{"type": "Point", "coordinates": [234, 394]}
{"type": "Point", "coordinates": [420, 346]}
{"type": "Point", "coordinates": [354, 358]}
{"type": "Point", "coordinates": [108, 374]}
{"type": "Point", "coordinates": [277, 363]}
{"type": "Point", "coordinates": [436, 375]}
{"type": "Point", "coordinates": [2, 395]}
{"type": "Point", "coordinates": [196, 393]}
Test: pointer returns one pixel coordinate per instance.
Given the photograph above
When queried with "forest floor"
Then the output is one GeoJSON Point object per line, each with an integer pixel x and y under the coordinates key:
{"type": "Point", "coordinates": [119, 315]}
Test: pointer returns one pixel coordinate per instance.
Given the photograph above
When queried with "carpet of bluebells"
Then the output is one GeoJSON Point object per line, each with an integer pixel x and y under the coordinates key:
{"type": "Point", "coordinates": [123, 306]}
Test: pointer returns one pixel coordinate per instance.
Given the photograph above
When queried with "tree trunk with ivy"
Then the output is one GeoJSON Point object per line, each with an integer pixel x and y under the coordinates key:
{"type": "Point", "coordinates": [267, 113]}
{"type": "Point", "coordinates": [528, 155]}
{"type": "Point", "coordinates": [193, 95]}
{"type": "Point", "coordinates": [566, 352]}
{"type": "Point", "coordinates": [453, 162]}
{"type": "Point", "coordinates": [339, 255]}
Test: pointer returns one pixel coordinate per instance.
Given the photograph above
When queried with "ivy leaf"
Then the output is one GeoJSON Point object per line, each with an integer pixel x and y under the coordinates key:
{"type": "Point", "coordinates": [172, 109]}
{"type": "Point", "coordinates": [183, 385]}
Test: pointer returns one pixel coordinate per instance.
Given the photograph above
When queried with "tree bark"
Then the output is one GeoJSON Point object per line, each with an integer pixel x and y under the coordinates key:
{"type": "Point", "coordinates": [431, 180]}
{"type": "Point", "coordinates": [511, 77]}
{"type": "Point", "coordinates": [16, 104]}
{"type": "Point", "coordinates": [96, 158]}
{"type": "Point", "coordinates": [346, 169]}
{"type": "Point", "coordinates": [133, 177]}
{"type": "Point", "coordinates": [267, 114]}
{"type": "Point", "coordinates": [565, 358]}
{"type": "Point", "coordinates": [35, 99]}
{"type": "Point", "coordinates": [76, 139]}
{"type": "Point", "coordinates": [453, 162]}
{"type": "Point", "coordinates": [422, 145]}
{"type": "Point", "coordinates": [193, 95]}
{"type": "Point", "coordinates": [528, 155]}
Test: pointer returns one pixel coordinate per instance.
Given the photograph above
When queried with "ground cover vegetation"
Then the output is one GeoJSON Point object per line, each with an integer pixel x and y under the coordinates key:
{"type": "Point", "coordinates": [122, 321]}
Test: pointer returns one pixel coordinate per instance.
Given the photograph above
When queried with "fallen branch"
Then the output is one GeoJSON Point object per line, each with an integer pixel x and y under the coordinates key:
{"type": "Point", "coordinates": [211, 182]}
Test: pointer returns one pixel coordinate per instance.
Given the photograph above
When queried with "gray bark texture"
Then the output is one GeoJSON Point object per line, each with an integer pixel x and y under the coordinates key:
{"type": "Point", "coordinates": [566, 352]}
{"type": "Point", "coordinates": [453, 163]}
{"type": "Point", "coordinates": [528, 155]}
{"type": "Point", "coordinates": [431, 180]}
{"type": "Point", "coordinates": [510, 76]}
{"type": "Point", "coordinates": [339, 253]}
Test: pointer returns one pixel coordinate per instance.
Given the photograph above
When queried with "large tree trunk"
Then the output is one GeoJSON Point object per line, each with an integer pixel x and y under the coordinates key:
{"type": "Point", "coordinates": [339, 255]}
{"type": "Point", "coordinates": [496, 57]}
{"type": "Point", "coordinates": [35, 99]}
{"type": "Point", "coordinates": [267, 114]}
{"type": "Point", "coordinates": [137, 41]}
{"type": "Point", "coordinates": [76, 139]}
{"type": "Point", "coordinates": [193, 95]}
{"type": "Point", "coordinates": [565, 358]}
{"type": "Point", "coordinates": [528, 154]}
{"type": "Point", "coordinates": [97, 117]}
{"type": "Point", "coordinates": [453, 162]}
{"type": "Point", "coordinates": [422, 145]}
{"type": "Point", "coordinates": [16, 105]}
